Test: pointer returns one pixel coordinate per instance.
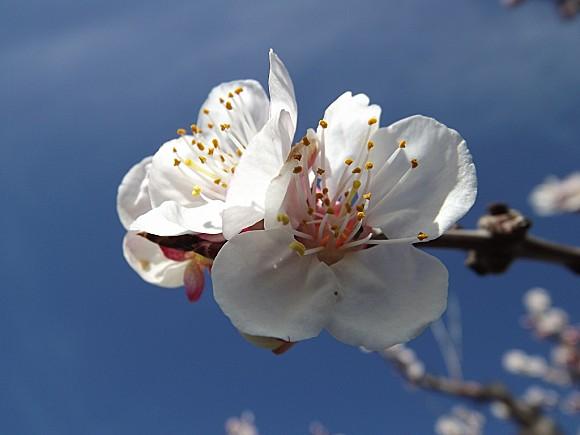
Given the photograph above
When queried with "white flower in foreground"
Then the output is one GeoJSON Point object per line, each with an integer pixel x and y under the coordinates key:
{"type": "Point", "coordinates": [162, 267]}
{"type": "Point", "coordinates": [339, 185]}
{"type": "Point", "coordinates": [555, 196]}
{"type": "Point", "coordinates": [190, 176]}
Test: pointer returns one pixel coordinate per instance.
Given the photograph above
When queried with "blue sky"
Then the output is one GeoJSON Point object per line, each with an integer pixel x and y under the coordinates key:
{"type": "Point", "coordinates": [89, 88]}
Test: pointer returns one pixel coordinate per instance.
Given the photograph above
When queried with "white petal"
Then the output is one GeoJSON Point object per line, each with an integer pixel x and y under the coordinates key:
{"type": "Point", "coordinates": [168, 182]}
{"type": "Point", "coordinates": [133, 193]}
{"type": "Point", "coordinates": [434, 195]}
{"type": "Point", "coordinates": [249, 109]}
{"type": "Point", "coordinates": [148, 261]}
{"type": "Point", "coordinates": [172, 219]}
{"type": "Point", "coordinates": [347, 133]}
{"type": "Point", "coordinates": [260, 163]}
{"type": "Point", "coordinates": [281, 90]}
{"type": "Point", "coordinates": [389, 295]}
{"type": "Point", "coordinates": [266, 289]}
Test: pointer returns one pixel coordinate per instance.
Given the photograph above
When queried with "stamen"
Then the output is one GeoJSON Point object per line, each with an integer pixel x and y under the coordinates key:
{"type": "Point", "coordinates": [202, 159]}
{"type": "Point", "coordinates": [206, 111]}
{"type": "Point", "coordinates": [357, 170]}
{"type": "Point", "coordinates": [297, 169]}
{"type": "Point", "coordinates": [320, 171]}
{"type": "Point", "coordinates": [196, 191]}
{"type": "Point", "coordinates": [176, 162]}
{"type": "Point", "coordinates": [239, 90]}
{"type": "Point", "coordinates": [181, 132]}
{"type": "Point", "coordinates": [200, 146]}
{"type": "Point", "coordinates": [282, 217]}
{"type": "Point", "coordinates": [360, 215]}
{"type": "Point", "coordinates": [422, 236]}
{"type": "Point", "coordinates": [348, 162]}
{"type": "Point", "coordinates": [323, 123]}
{"type": "Point", "coordinates": [215, 142]}
{"type": "Point", "coordinates": [229, 105]}
{"type": "Point", "coordinates": [298, 247]}
{"type": "Point", "coordinates": [370, 145]}
{"type": "Point", "coordinates": [367, 196]}
{"type": "Point", "coordinates": [372, 121]}
{"type": "Point", "coordinates": [369, 166]}
{"type": "Point", "coordinates": [305, 141]}
{"type": "Point", "coordinates": [414, 163]}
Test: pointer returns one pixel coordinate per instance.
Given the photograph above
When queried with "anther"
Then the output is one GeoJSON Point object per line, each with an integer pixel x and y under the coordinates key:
{"type": "Point", "coordinates": [348, 162]}
{"type": "Point", "coordinates": [356, 184]}
{"type": "Point", "coordinates": [297, 156]}
{"type": "Point", "coordinates": [319, 195]}
{"type": "Point", "coordinates": [224, 185]}
{"type": "Point", "coordinates": [323, 123]}
{"type": "Point", "coordinates": [283, 218]}
{"type": "Point", "coordinates": [196, 190]}
{"type": "Point", "coordinates": [200, 146]}
{"type": "Point", "coordinates": [367, 196]}
{"type": "Point", "coordinates": [229, 105]}
{"type": "Point", "coordinates": [224, 127]}
{"type": "Point", "coordinates": [202, 159]}
{"type": "Point", "coordinates": [239, 153]}
{"type": "Point", "coordinates": [176, 162]}
{"type": "Point", "coordinates": [402, 144]}
{"type": "Point", "coordinates": [320, 171]}
{"type": "Point", "coordinates": [217, 180]}
{"type": "Point", "coordinates": [230, 95]}
{"type": "Point", "coordinates": [369, 166]}
{"type": "Point", "coordinates": [209, 125]}
{"type": "Point", "coordinates": [239, 90]}
{"type": "Point", "coordinates": [310, 211]}
{"type": "Point", "coordinates": [194, 128]}
{"type": "Point", "coordinates": [215, 142]}
{"type": "Point", "coordinates": [325, 190]}
{"type": "Point", "coordinates": [330, 210]}
{"type": "Point", "coordinates": [181, 131]}
{"type": "Point", "coordinates": [414, 163]}
{"type": "Point", "coordinates": [206, 111]}
{"type": "Point", "coordinates": [298, 247]}
{"type": "Point", "coordinates": [372, 121]}
{"type": "Point", "coordinates": [370, 145]}
{"type": "Point", "coordinates": [297, 169]}
{"type": "Point", "coordinates": [222, 100]}
{"type": "Point", "coordinates": [174, 149]}
{"type": "Point", "coordinates": [360, 215]}
{"type": "Point", "coordinates": [305, 141]}
{"type": "Point", "coordinates": [188, 162]}
{"type": "Point", "coordinates": [422, 236]}
{"type": "Point", "coordinates": [356, 170]}
{"type": "Point", "coordinates": [326, 202]}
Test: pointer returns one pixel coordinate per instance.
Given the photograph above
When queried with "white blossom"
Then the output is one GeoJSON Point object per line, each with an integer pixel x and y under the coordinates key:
{"type": "Point", "coordinates": [557, 196]}
{"type": "Point", "coordinates": [537, 300]}
{"type": "Point", "coordinates": [310, 268]}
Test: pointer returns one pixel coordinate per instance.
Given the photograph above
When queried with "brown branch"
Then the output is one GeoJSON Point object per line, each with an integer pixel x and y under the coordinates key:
{"type": "Point", "coordinates": [494, 253]}
{"type": "Point", "coordinates": [530, 419]}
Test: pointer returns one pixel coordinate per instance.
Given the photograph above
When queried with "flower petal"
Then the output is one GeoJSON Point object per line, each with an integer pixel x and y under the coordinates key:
{"type": "Point", "coordinates": [248, 109]}
{"type": "Point", "coordinates": [133, 193]}
{"type": "Point", "coordinates": [348, 132]}
{"type": "Point", "coordinates": [281, 90]}
{"type": "Point", "coordinates": [434, 194]}
{"type": "Point", "coordinates": [148, 261]}
{"type": "Point", "coordinates": [172, 219]}
{"type": "Point", "coordinates": [389, 295]}
{"type": "Point", "coordinates": [262, 161]}
{"type": "Point", "coordinates": [194, 281]}
{"type": "Point", "coordinates": [266, 289]}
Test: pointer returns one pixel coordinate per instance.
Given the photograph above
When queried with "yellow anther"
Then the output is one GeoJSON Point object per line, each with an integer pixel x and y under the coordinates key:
{"type": "Point", "coordinates": [217, 180]}
{"type": "Point", "coordinates": [194, 128]}
{"type": "Point", "coordinates": [305, 141]}
{"type": "Point", "coordinates": [372, 121]}
{"type": "Point", "coordinates": [174, 149]}
{"type": "Point", "coordinates": [298, 247]}
{"type": "Point", "coordinates": [230, 95]}
{"type": "Point", "coordinates": [297, 156]}
{"type": "Point", "coordinates": [310, 211]}
{"type": "Point", "coordinates": [323, 123]}
{"type": "Point", "coordinates": [370, 145]}
{"type": "Point", "coordinates": [330, 210]}
{"type": "Point", "coordinates": [367, 196]}
{"type": "Point", "coordinates": [224, 185]}
{"type": "Point", "coordinates": [176, 162]}
{"type": "Point", "coordinates": [188, 162]}
{"type": "Point", "coordinates": [239, 152]}
{"type": "Point", "coordinates": [202, 159]}
{"type": "Point", "coordinates": [200, 146]}
{"type": "Point", "coordinates": [196, 191]}
{"type": "Point", "coordinates": [210, 152]}
{"type": "Point", "coordinates": [209, 125]}
{"type": "Point", "coordinates": [357, 170]}
{"type": "Point", "coordinates": [229, 105]}
{"type": "Point", "coordinates": [360, 207]}
{"type": "Point", "coordinates": [348, 162]}
{"type": "Point", "coordinates": [369, 166]}
{"type": "Point", "coordinates": [320, 171]}
{"type": "Point", "coordinates": [360, 215]}
{"type": "Point", "coordinates": [325, 190]}
{"type": "Point", "coordinates": [222, 158]}
{"type": "Point", "coordinates": [283, 218]}
{"type": "Point", "coordinates": [297, 169]}
{"type": "Point", "coordinates": [356, 184]}
{"type": "Point", "coordinates": [181, 131]}
{"type": "Point", "coordinates": [224, 127]}
{"type": "Point", "coordinates": [206, 111]}
{"type": "Point", "coordinates": [402, 144]}
{"type": "Point", "coordinates": [222, 100]}
{"type": "Point", "coordinates": [239, 90]}
{"type": "Point", "coordinates": [215, 142]}
{"type": "Point", "coordinates": [414, 163]}
{"type": "Point", "coordinates": [422, 236]}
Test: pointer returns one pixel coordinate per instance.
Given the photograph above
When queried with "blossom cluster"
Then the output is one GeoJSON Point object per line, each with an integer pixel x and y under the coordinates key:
{"type": "Point", "coordinates": [300, 235]}
{"type": "Point", "coordinates": [460, 421]}
{"type": "Point", "coordinates": [556, 196]}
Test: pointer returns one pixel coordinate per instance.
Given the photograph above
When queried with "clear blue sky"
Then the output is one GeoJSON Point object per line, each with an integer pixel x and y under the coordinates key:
{"type": "Point", "coordinates": [89, 88]}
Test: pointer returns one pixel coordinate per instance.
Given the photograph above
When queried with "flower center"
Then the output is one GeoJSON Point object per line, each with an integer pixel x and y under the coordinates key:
{"type": "Point", "coordinates": [212, 151]}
